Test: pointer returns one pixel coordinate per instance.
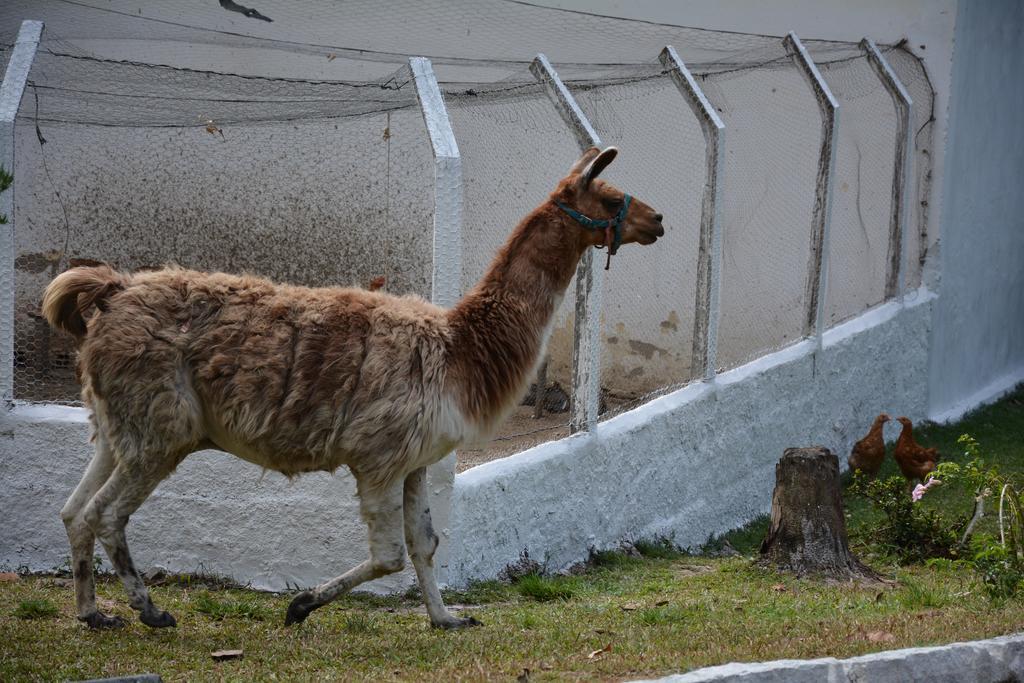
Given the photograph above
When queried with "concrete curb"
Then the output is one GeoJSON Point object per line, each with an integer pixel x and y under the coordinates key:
{"type": "Point", "coordinates": [996, 660]}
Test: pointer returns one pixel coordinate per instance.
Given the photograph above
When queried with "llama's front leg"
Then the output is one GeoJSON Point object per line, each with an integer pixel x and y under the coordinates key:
{"type": "Point", "coordinates": [107, 513]}
{"type": "Point", "coordinates": [382, 512]}
{"type": "Point", "coordinates": [419, 534]}
{"type": "Point", "coordinates": [82, 538]}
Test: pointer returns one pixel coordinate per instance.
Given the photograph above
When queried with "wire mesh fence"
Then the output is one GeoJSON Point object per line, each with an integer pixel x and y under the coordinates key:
{"type": "Point", "coordinates": [126, 177]}
{"type": "Point", "coordinates": [859, 252]}
{"type": "Point", "coordinates": [773, 138]}
{"type": "Point", "coordinates": [287, 151]}
{"type": "Point", "coordinates": [649, 294]}
{"type": "Point", "coordinates": [504, 180]}
{"type": "Point", "coordinates": [915, 79]}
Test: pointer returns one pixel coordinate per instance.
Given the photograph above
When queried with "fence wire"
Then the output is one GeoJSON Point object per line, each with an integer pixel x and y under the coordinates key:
{"type": "Point", "coordinates": [338, 201]}
{"type": "Point", "coordinates": [649, 292]}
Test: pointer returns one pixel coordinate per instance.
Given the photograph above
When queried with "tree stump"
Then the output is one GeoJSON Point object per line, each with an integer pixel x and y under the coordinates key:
{"type": "Point", "coordinates": [808, 531]}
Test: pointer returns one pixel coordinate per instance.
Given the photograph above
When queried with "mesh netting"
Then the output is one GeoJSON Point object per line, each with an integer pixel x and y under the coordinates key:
{"type": "Point", "coordinates": [503, 177]}
{"type": "Point", "coordinates": [290, 192]}
{"type": "Point", "coordinates": [649, 294]}
{"type": "Point", "coordinates": [911, 73]}
{"type": "Point", "coordinates": [773, 130]}
{"type": "Point", "coordinates": [184, 133]}
{"type": "Point", "coordinates": [862, 194]}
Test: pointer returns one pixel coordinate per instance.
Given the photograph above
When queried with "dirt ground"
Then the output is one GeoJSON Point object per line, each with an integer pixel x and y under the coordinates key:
{"type": "Point", "coordinates": [519, 432]}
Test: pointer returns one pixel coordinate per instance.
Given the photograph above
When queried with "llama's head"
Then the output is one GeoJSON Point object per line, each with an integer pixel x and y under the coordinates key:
{"type": "Point", "coordinates": [602, 214]}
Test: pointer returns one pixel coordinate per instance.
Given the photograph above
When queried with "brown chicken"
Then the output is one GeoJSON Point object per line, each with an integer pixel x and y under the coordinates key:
{"type": "Point", "coordinates": [915, 461]}
{"type": "Point", "coordinates": [869, 453]}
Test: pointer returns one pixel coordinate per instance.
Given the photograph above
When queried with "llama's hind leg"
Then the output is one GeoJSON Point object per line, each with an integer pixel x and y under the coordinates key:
{"type": "Point", "coordinates": [382, 512]}
{"type": "Point", "coordinates": [82, 538]}
{"type": "Point", "coordinates": [108, 512]}
{"type": "Point", "coordinates": [422, 541]}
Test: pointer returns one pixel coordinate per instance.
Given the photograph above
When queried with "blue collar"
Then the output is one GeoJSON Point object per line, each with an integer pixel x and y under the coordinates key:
{"type": "Point", "coordinates": [604, 224]}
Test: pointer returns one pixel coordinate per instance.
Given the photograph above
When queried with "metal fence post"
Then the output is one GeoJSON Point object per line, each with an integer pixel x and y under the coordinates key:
{"type": "Point", "coordinates": [11, 90]}
{"type": "Point", "coordinates": [586, 355]}
{"type": "Point", "coordinates": [446, 276]}
{"type": "Point", "coordinates": [709, 253]}
{"type": "Point", "coordinates": [896, 264]}
{"type": "Point", "coordinates": [817, 277]}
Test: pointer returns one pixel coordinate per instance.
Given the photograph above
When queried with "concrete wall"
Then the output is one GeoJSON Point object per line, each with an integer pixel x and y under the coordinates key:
{"type": "Point", "coordinates": [696, 462]}
{"type": "Point", "coordinates": [977, 348]}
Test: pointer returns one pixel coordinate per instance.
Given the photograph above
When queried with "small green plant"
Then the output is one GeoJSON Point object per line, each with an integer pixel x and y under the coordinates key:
{"type": "Point", "coordinates": [998, 561]}
{"type": "Point", "coordinates": [917, 595]}
{"type": "Point", "coordinates": [35, 609]}
{"type": "Point", "coordinates": [610, 559]}
{"type": "Point", "coordinates": [1001, 573]}
{"type": "Point", "coordinates": [913, 532]}
{"type": "Point", "coordinates": [908, 531]}
{"type": "Point", "coordinates": [228, 608]}
{"type": "Point", "coordinates": [547, 588]}
{"type": "Point", "coordinates": [478, 593]}
{"type": "Point", "coordinates": [667, 614]}
{"type": "Point", "coordinates": [530, 621]}
{"type": "Point", "coordinates": [661, 548]}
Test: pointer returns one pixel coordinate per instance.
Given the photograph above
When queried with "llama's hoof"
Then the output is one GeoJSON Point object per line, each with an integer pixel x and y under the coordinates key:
{"type": "Point", "coordinates": [299, 609]}
{"type": "Point", "coordinates": [457, 623]}
{"type": "Point", "coordinates": [99, 620]}
{"type": "Point", "coordinates": [157, 619]}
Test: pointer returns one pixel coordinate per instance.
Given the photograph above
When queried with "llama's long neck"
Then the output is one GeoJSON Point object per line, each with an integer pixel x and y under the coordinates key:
{"type": "Point", "coordinates": [499, 329]}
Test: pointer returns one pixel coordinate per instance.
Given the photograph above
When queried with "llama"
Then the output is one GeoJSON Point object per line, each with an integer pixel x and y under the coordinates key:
{"type": "Point", "coordinates": [298, 379]}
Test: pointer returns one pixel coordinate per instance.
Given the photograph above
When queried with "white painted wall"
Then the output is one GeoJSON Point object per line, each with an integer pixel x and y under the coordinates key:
{"type": "Point", "coordinates": [978, 333]}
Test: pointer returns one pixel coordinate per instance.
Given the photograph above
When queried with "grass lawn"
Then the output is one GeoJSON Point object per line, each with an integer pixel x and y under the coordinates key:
{"type": "Point", "coordinates": [625, 617]}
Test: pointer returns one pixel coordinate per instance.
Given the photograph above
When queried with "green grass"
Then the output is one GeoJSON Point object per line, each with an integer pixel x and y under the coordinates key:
{"type": "Point", "coordinates": [659, 616]}
{"type": "Point", "coordinates": [660, 549]}
{"type": "Point", "coordinates": [35, 609]}
{"type": "Point", "coordinates": [999, 428]}
{"type": "Point", "coordinates": [660, 613]}
{"type": "Point", "coordinates": [233, 607]}
{"type": "Point", "coordinates": [548, 588]}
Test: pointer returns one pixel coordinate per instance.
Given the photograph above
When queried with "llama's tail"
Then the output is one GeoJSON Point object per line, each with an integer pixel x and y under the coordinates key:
{"type": "Point", "coordinates": [73, 292]}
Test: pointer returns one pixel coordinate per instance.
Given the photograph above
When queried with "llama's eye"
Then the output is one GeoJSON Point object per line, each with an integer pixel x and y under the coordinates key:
{"type": "Point", "coordinates": [612, 203]}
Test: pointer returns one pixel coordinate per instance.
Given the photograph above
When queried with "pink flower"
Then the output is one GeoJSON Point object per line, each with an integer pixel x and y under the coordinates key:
{"type": "Point", "coordinates": [921, 489]}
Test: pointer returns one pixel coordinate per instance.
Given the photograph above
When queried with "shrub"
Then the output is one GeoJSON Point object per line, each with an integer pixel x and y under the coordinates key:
{"type": "Point", "coordinates": [913, 532]}
{"type": "Point", "coordinates": [909, 531]}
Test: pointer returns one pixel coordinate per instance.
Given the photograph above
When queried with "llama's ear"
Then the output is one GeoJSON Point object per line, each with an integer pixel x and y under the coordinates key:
{"type": "Point", "coordinates": [584, 160]}
{"type": "Point", "coordinates": [597, 165]}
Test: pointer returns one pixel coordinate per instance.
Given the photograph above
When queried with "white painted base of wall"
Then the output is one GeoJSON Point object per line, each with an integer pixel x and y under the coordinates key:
{"type": "Point", "coordinates": [696, 462]}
